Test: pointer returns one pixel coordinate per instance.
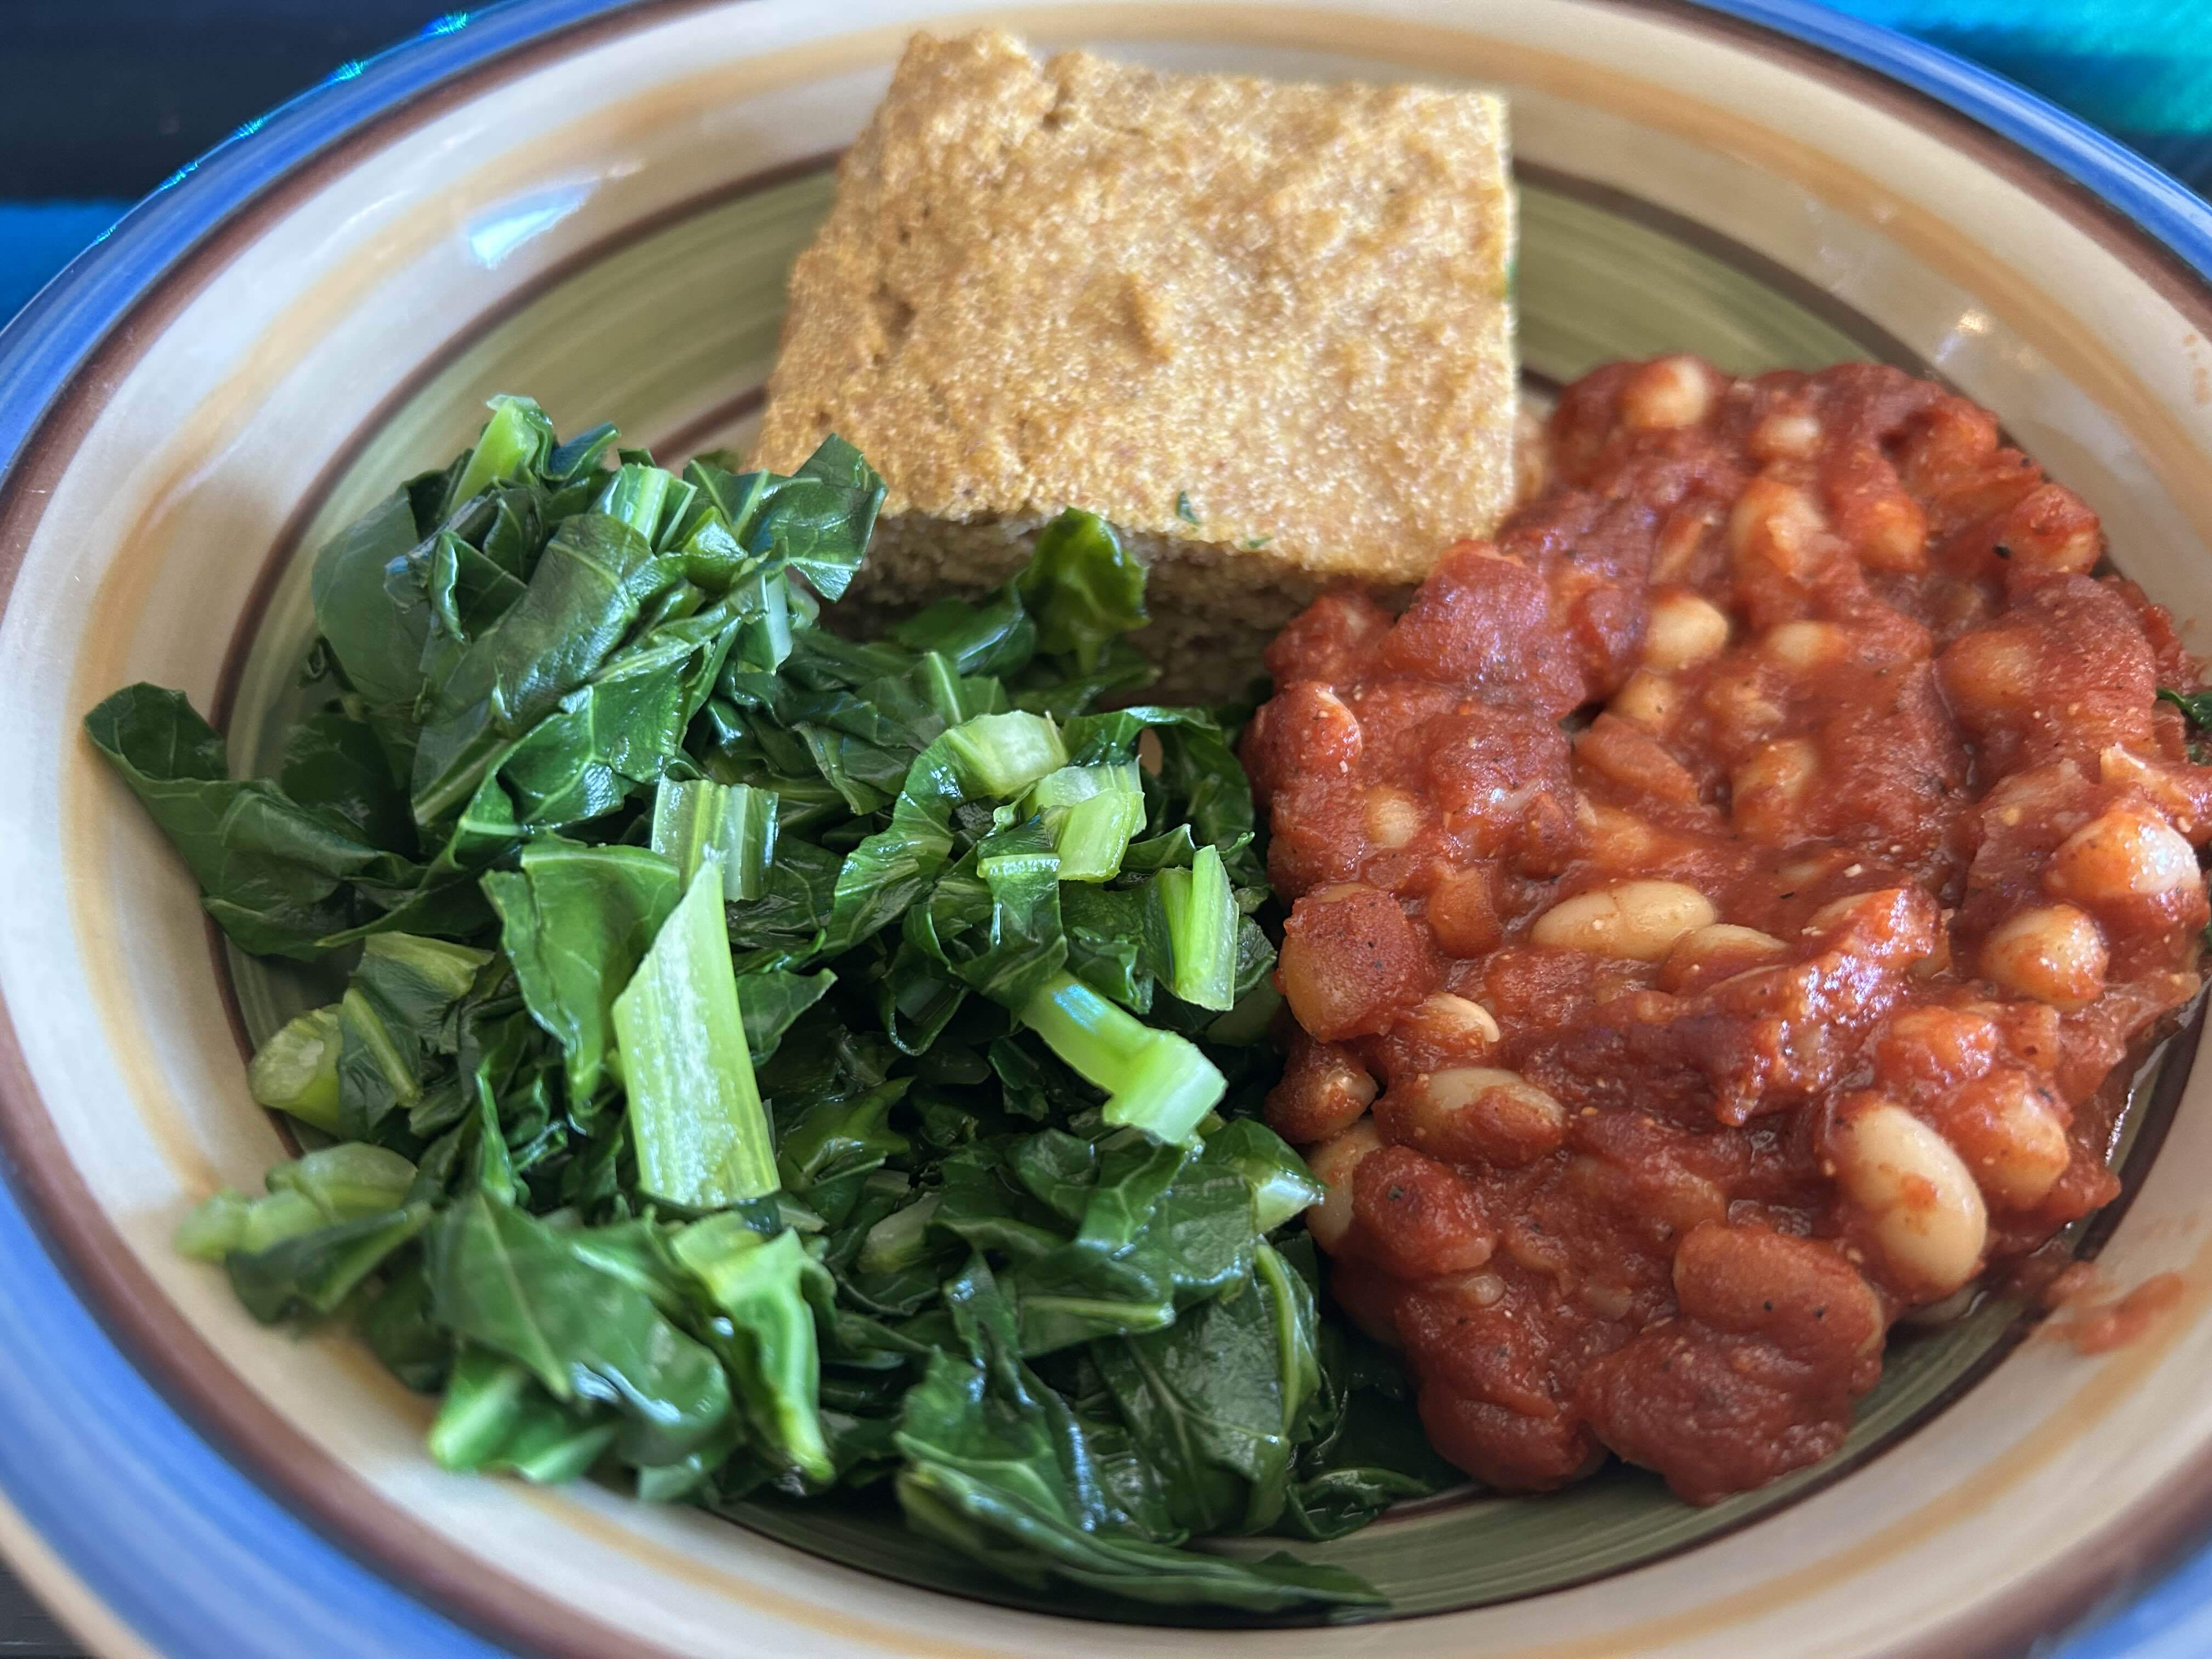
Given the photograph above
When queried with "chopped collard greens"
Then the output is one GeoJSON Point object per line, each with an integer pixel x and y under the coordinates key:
{"type": "Point", "coordinates": [770, 1063]}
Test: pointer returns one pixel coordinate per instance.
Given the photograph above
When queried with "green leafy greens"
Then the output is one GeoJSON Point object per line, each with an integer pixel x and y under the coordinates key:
{"type": "Point", "coordinates": [760, 1062]}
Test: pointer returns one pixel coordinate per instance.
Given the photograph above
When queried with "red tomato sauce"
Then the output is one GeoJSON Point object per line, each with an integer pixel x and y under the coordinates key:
{"type": "Point", "coordinates": [1722, 906]}
{"type": "Point", "coordinates": [2097, 1324]}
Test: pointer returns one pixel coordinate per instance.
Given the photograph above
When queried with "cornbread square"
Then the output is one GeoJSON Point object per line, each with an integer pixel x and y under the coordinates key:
{"type": "Point", "coordinates": [1265, 330]}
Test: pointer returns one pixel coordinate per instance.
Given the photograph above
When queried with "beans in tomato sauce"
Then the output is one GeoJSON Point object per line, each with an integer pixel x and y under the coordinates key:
{"type": "Point", "coordinates": [1721, 907]}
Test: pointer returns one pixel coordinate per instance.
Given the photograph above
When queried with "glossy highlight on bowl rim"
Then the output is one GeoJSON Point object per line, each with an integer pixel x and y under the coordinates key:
{"type": "Point", "coordinates": [119, 1500]}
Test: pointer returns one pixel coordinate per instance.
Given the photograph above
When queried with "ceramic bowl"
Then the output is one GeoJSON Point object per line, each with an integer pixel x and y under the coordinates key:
{"type": "Point", "coordinates": [596, 205]}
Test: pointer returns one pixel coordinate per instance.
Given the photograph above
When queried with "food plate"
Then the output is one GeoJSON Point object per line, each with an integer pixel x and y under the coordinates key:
{"type": "Point", "coordinates": [597, 204]}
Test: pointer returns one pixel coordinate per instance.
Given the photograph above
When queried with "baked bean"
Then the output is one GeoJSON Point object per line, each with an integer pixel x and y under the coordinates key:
{"type": "Point", "coordinates": [1616, 839]}
{"type": "Point", "coordinates": [1727, 939]}
{"type": "Point", "coordinates": [1683, 535]}
{"type": "Point", "coordinates": [1416, 1217]}
{"type": "Point", "coordinates": [1461, 912]}
{"type": "Point", "coordinates": [1776, 523]}
{"type": "Point", "coordinates": [2053, 953]}
{"type": "Point", "coordinates": [1676, 1198]}
{"type": "Point", "coordinates": [1649, 699]}
{"type": "Point", "coordinates": [1666, 394]}
{"type": "Point", "coordinates": [1332, 640]}
{"type": "Point", "coordinates": [2004, 1127]}
{"type": "Point", "coordinates": [1785, 435]}
{"type": "Point", "coordinates": [1818, 653]}
{"type": "Point", "coordinates": [1350, 961]}
{"type": "Point", "coordinates": [1717, 952]}
{"type": "Point", "coordinates": [1765, 791]}
{"type": "Point", "coordinates": [1807, 644]}
{"type": "Point", "coordinates": [1994, 670]}
{"type": "Point", "coordinates": [1472, 1114]}
{"type": "Point", "coordinates": [2129, 853]}
{"type": "Point", "coordinates": [1334, 1162]}
{"type": "Point", "coordinates": [1532, 454]}
{"type": "Point", "coordinates": [1855, 910]}
{"type": "Point", "coordinates": [1815, 867]}
{"type": "Point", "coordinates": [1892, 926]}
{"type": "Point", "coordinates": [1548, 838]}
{"type": "Point", "coordinates": [1304, 728]}
{"type": "Point", "coordinates": [1924, 1212]}
{"type": "Point", "coordinates": [1938, 1047]}
{"type": "Point", "coordinates": [1740, 706]}
{"type": "Point", "coordinates": [2033, 1031]}
{"type": "Point", "coordinates": [2176, 793]}
{"type": "Point", "coordinates": [1455, 1022]}
{"type": "Point", "coordinates": [1323, 1089]}
{"type": "Point", "coordinates": [1607, 1301]}
{"type": "Point", "coordinates": [1507, 1450]}
{"type": "Point", "coordinates": [1369, 1296]}
{"type": "Point", "coordinates": [1937, 961]}
{"type": "Point", "coordinates": [1393, 818]}
{"type": "Point", "coordinates": [1637, 920]}
{"type": "Point", "coordinates": [2052, 532]}
{"type": "Point", "coordinates": [1476, 1289]}
{"type": "Point", "coordinates": [1683, 630]}
{"type": "Point", "coordinates": [1890, 532]}
{"type": "Point", "coordinates": [1800, 1295]}
{"type": "Point", "coordinates": [1344, 735]}
{"type": "Point", "coordinates": [1634, 759]}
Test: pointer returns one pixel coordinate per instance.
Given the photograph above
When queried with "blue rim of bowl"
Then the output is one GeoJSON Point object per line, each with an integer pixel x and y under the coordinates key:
{"type": "Point", "coordinates": [98, 1466]}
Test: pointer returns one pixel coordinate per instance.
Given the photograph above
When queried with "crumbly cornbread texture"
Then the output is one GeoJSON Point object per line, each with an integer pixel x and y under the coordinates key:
{"type": "Point", "coordinates": [1264, 330]}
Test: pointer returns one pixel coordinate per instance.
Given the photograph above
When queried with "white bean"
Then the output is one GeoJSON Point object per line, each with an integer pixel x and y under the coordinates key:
{"type": "Point", "coordinates": [1461, 912]}
{"type": "Point", "coordinates": [1679, 538]}
{"type": "Point", "coordinates": [1807, 644]}
{"type": "Point", "coordinates": [1720, 952]}
{"type": "Point", "coordinates": [1393, 818]}
{"type": "Point", "coordinates": [1607, 1301]}
{"type": "Point", "coordinates": [1865, 908]}
{"type": "Point", "coordinates": [1927, 1215]}
{"type": "Point", "coordinates": [2008, 1134]}
{"type": "Point", "coordinates": [1334, 1162]}
{"type": "Point", "coordinates": [1726, 938]}
{"type": "Point", "coordinates": [2130, 852]}
{"type": "Point", "coordinates": [2054, 953]}
{"type": "Point", "coordinates": [1324, 1090]}
{"type": "Point", "coordinates": [2122, 766]}
{"type": "Point", "coordinates": [1777, 521]}
{"type": "Point", "coordinates": [1451, 1019]}
{"type": "Point", "coordinates": [1764, 792]}
{"type": "Point", "coordinates": [1649, 699]}
{"type": "Point", "coordinates": [1745, 713]}
{"type": "Point", "coordinates": [1462, 1113]}
{"type": "Point", "coordinates": [1990, 670]}
{"type": "Point", "coordinates": [1477, 1290]}
{"type": "Point", "coordinates": [1896, 927]}
{"type": "Point", "coordinates": [1639, 920]}
{"type": "Point", "coordinates": [1683, 630]}
{"type": "Point", "coordinates": [1667, 393]}
{"type": "Point", "coordinates": [1785, 435]}
{"type": "Point", "coordinates": [1893, 532]}
{"type": "Point", "coordinates": [1613, 839]}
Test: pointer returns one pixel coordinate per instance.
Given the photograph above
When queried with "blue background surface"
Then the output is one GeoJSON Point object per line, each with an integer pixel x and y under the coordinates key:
{"type": "Point", "coordinates": [102, 99]}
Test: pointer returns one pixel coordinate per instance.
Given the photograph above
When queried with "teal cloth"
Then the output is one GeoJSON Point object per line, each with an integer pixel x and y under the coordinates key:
{"type": "Point", "coordinates": [2142, 70]}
